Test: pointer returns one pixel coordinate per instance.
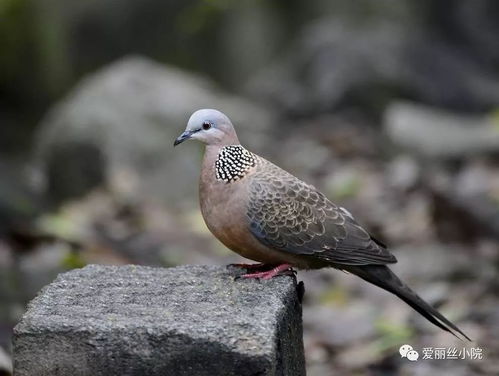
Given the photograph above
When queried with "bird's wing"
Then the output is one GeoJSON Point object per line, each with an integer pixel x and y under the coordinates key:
{"type": "Point", "coordinates": [290, 215]}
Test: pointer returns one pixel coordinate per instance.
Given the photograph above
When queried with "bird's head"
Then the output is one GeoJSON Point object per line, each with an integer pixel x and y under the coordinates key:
{"type": "Point", "coordinates": [210, 127]}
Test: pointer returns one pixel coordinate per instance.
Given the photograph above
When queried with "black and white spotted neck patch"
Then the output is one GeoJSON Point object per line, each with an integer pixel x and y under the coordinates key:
{"type": "Point", "coordinates": [233, 163]}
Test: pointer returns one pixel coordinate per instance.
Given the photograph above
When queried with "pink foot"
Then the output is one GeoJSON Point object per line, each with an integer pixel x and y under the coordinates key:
{"type": "Point", "coordinates": [270, 273]}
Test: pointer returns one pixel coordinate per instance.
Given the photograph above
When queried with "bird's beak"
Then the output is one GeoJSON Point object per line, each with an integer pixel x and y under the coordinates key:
{"type": "Point", "coordinates": [184, 136]}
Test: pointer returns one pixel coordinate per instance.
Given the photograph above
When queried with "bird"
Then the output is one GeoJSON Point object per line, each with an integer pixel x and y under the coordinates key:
{"type": "Point", "coordinates": [268, 215]}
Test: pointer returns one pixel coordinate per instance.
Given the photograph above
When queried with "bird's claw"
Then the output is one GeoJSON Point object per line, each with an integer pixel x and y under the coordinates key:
{"type": "Point", "coordinates": [284, 269]}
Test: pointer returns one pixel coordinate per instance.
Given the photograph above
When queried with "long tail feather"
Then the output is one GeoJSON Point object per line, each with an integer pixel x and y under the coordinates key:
{"type": "Point", "coordinates": [382, 276]}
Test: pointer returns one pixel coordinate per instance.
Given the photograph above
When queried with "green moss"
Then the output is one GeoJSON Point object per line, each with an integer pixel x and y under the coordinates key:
{"type": "Point", "coordinates": [59, 226]}
{"type": "Point", "coordinates": [334, 295]}
{"type": "Point", "coordinates": [392, 335]}
{"type": "Point", "coordinates": [494, 116]}
{"type": "Point", "coordinates": [345, 188]}
{"type": "Point", "coordinates": [73, 260]}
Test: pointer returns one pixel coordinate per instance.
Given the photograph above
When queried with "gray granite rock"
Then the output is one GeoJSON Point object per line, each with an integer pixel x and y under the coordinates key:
{"type": "Point", "coordinates": [188, 320]}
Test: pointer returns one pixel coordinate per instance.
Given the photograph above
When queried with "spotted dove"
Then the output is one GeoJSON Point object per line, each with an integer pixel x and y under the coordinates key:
{"type": "Point", "coordinates": [268, 215]}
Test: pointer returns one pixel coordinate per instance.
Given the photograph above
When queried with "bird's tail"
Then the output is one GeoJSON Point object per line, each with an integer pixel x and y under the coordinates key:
{"type": "Point", "coordinates": [382, 276]}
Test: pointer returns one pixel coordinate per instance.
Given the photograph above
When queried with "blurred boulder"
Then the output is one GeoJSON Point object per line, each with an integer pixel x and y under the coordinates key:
{"type": "Point", "coordinates": [40, 267]}
{"type": "Point", "coordinates": [5, 364]}
{"type": "Point", "coordinates": [73, 168]}
{"type": "Point", "coordinates": [475, 22]}
{"type": "Point", "coordinates": [439, 134]}
{"type": "Point", "coordinates": [465, 204]}
{"type": "Point", "coordinates": [353, 59]}
{"type": "Point", "coordinates": [463, 199]}
{"type": "Point", "coordinates": [118, 126]}
{"type": "Point", "coordinates": [18, 203]}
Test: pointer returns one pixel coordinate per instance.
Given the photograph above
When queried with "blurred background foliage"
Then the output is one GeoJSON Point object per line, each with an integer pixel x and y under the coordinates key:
{"type": "Point", "coordinates": [390, 107]}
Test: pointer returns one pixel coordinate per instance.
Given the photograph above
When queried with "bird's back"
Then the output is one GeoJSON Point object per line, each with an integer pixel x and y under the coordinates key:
{"type": "Point", "coordinates": [290, 215]}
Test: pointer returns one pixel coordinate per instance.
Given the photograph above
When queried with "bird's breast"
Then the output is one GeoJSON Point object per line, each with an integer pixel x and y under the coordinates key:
{"type": "Point", "coordinates": [224, 209]}
{"type": "Point", "coordinates": [224, 206]}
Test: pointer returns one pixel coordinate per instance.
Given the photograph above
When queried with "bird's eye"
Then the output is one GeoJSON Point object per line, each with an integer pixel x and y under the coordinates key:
{"type": "Point", "coordinates": [206, 125]}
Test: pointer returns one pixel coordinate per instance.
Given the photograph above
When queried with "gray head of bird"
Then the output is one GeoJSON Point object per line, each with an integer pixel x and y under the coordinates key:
{"type": "Point", "coordinates": [210, 127]}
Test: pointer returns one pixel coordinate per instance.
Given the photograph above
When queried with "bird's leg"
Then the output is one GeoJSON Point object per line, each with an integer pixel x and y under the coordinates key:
{"type": "Point", "coordinates": [278, 270]}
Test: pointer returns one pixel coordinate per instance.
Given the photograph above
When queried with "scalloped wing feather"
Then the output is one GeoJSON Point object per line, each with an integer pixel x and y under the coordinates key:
{"type": "Point", "coordinates": [290, 215]}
